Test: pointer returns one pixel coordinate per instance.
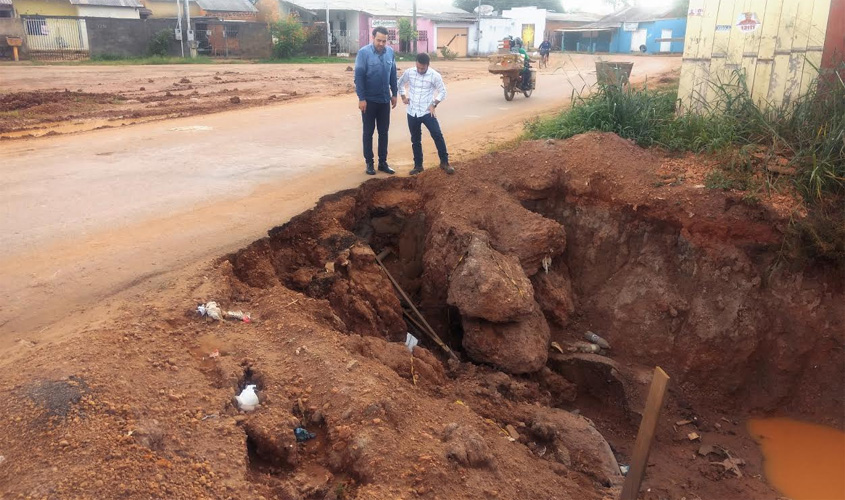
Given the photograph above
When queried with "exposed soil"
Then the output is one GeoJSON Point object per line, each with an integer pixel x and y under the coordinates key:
{"type": "Point", "coordinates": [96, 97]}
{"type": "Point", "coordinates": [516, 250]}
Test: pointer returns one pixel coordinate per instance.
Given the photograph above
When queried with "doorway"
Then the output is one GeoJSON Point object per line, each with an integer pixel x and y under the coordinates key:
{"type": "Point", "coordinates": [666, 44]}
{"type": "Point", "coordinates": [638, 39]}
{"type": "Point", "coordinates": [528, 36]}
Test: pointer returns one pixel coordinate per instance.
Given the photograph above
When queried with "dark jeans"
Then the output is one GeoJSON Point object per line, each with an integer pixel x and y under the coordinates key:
{"type": "Point", "coordinates": [376, 115]}
{"type": "Point", "coordinates": [415, 124]}
{"type": "Point", "coordinates": [525, 84]}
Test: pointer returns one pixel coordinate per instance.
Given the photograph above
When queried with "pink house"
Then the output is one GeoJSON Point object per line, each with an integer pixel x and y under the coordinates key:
{"type": "Point", "coordinates": [425, 30]}
{"type": "Point", "coordinates": [352, 21]}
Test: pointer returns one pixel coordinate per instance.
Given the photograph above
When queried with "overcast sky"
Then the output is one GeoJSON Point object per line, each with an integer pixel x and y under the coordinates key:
{"type": "Point", "coordinates": [604, 8]}
{"type": "Point", "coordinates": [599, 6]}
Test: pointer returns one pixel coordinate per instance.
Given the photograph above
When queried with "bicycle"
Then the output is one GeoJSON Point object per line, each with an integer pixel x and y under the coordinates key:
{"type": "Point", "coordinates": [544, 60]}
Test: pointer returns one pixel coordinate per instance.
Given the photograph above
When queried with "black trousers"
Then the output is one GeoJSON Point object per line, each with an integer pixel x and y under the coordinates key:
{"type": "Point", "coordinates": [415, 124]}
{"type": "Point", "coordinates": [377, 115]}
{"type": "Point", "coordinates": [526, 78]}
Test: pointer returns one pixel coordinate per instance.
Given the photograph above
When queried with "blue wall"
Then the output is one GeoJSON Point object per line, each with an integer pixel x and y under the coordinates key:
{"type": "Point", "coordinates": [621, 41]}
{"type": "Point", "coordinates": [576, 41]}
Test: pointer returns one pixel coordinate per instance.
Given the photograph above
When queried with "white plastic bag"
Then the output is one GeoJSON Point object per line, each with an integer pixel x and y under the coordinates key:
{"type": "Point", "coordinates": [411, 342]}
{"type": "Point", "coordinates": [247, 399]}
{"type": "Point", "coordinates": [210, 309]}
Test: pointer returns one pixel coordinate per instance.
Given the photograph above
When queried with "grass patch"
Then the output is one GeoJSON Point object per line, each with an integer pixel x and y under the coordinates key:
{"type": "Point", "coordinates": [634, 114]}
{"type": "Point", "coordinates": [114, 60]}
{"type": "Point", "coordinates": [308, 60]}
{"type": "Point", "coordinates": [721, 179]}
{"type": "Point", "coordinates": [809, 132]}
{"type": "Point", "coordinates": [804, 139]}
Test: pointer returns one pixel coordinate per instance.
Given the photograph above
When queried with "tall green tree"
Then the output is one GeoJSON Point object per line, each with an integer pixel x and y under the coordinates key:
{"type": "Point", "coordinates": [500, 5]}
{"type": "Point", "coordinates": [406, 34]}
{"type": "Point", "coordinates": [288, 37]}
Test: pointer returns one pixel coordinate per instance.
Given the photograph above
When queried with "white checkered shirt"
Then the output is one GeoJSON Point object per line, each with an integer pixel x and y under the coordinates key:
{"type": "Point", "coordinates": [423, 89]}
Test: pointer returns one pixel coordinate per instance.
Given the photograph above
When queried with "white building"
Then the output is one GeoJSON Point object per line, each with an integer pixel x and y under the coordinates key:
{"type": "Point", "coordinates": [530, 24]}
{"type": "Point", "coordinates": [493, 31]}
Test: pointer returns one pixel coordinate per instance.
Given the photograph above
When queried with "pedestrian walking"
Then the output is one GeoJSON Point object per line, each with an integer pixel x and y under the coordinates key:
{"type": "Point", "coordinates": [375, 84]}
{"type": "Point", "coordinates": [426, 91]}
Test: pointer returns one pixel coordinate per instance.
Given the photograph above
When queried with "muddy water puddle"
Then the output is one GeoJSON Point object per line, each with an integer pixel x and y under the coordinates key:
{"type": "Point", "coordinates": [803, 461]}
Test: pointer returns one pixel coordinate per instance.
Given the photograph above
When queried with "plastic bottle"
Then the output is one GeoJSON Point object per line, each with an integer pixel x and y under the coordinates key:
{"type": "Point", "coordinates": [595, 339]}
{"type": "Point", "coordinates": [239, 315]}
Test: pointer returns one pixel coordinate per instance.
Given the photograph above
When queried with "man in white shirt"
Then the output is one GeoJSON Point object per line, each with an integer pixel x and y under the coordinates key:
{"type": "Point", "coordinates": [426, 92]}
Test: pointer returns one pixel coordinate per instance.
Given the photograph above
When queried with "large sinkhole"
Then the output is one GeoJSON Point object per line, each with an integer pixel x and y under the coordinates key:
{"type": "Point", "coordinates": [513, 261]}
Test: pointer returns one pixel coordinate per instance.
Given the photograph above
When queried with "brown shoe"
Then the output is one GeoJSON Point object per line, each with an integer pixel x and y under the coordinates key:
{"type": "Point", "coordinates": [416, 171]}
{"type": "Point", "coordinates": [447, 168]}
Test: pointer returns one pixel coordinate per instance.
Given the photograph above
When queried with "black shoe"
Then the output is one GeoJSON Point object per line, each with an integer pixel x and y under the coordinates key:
{"type": "Point", "coordinates": [416, 171]}
{"type": "Point", "coordinates": [370, 169]}
{"type": "Point", "coordinates": [384, 167]}
{"type": "Point", "coordinates": [447, 168]}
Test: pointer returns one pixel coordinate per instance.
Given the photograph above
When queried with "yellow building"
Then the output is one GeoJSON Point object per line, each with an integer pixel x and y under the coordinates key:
{"type": "Point", "coordinates": [44, 8]}
{"type": "Point", "coordinates": [776, 45]}
{"type": "Point", "coordinates": [168, 8]}
{"type": "Point", "coordinates": [123, 9]}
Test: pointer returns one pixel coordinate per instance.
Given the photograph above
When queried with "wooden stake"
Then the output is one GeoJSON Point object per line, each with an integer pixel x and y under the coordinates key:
{"type": "Point", "coordinates": [639, 459]}
{"type": "Point", "coordinates": [427, 328]}
{"type": "Point", "coordinates": [414, 321]}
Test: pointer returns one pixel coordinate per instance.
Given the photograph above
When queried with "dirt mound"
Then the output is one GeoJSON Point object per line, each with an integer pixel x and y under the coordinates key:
{"type": "Point", "coordinates": [474, 259]}
{"type": "Point", "coordinates": [669, 274]}
{"type": "Point", "coordinates": [53, 101]}
{"type": "Point", "coordinates": [141, 405]}
{"type": "Point", "coordinates": [491, 286]}
{"type": "Point", "coordinates": [157, 420]}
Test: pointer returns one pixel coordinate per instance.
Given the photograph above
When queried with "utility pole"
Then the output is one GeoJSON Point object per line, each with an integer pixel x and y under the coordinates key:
{"type": "Point", "coordinates": [478, 31]}
{"type": "Point", "coordinates": [192, 44]}
{"type": "Point", "coordinates": [179, 30]}
{"type": "Point", "coordinates": [328, 31]}
{"type": "Point", "coordinates": [415, 27]}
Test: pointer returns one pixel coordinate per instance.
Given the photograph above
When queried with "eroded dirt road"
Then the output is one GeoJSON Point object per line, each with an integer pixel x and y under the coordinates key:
{"type": "Point", "coordinates": [40, 100]}
{"type": "Point", "coordinates": [89, 215]}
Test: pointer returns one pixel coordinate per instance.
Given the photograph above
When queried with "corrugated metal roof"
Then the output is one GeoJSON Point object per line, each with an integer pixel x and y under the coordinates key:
{"type": "Point", "coordinates": [643, 14]}
{"type": "Point", "coordinates": [5, 2]}
{"type": "Point", "coordinates": [575, 17]}
{"type": "Point", "coordinates": [227, 5]}
{"type": "Point", "coordinates": [108, 3]}
{"type": "Point", "coordinates": [453, 17]}
{"type": "Point", "coordinates": [585, 29]}
{"type": "Point", "coordinates": [632, 15]}
{"type": "Point", "coordinates": [375, 7]}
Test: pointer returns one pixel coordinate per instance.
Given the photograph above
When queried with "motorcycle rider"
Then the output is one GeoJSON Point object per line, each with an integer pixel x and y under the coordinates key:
{"type": "Point", "coordinates": [525, 74]}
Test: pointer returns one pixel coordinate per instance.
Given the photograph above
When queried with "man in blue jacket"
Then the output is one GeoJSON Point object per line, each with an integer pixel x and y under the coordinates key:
{"type": "Point", "coordinates": [375, 84]}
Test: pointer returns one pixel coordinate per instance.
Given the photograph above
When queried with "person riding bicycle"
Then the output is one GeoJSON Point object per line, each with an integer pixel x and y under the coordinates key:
{"type": "Point", "coordinates": [545, 49]}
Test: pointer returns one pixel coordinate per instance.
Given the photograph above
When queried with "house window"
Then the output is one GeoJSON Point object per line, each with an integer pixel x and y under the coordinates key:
{"type": "Point", "coordinates": [231, 31]}
{"type": "Point", "coordinates": [391, 36]}
{"type": "Point", "coordinates": [343, 25]}
{"type": "Point", "coordinates": [37, 27]}
{"type": "Point", "coordinates": [5, 13]}
{"type": "Point", "coordinates": [422, 35]}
